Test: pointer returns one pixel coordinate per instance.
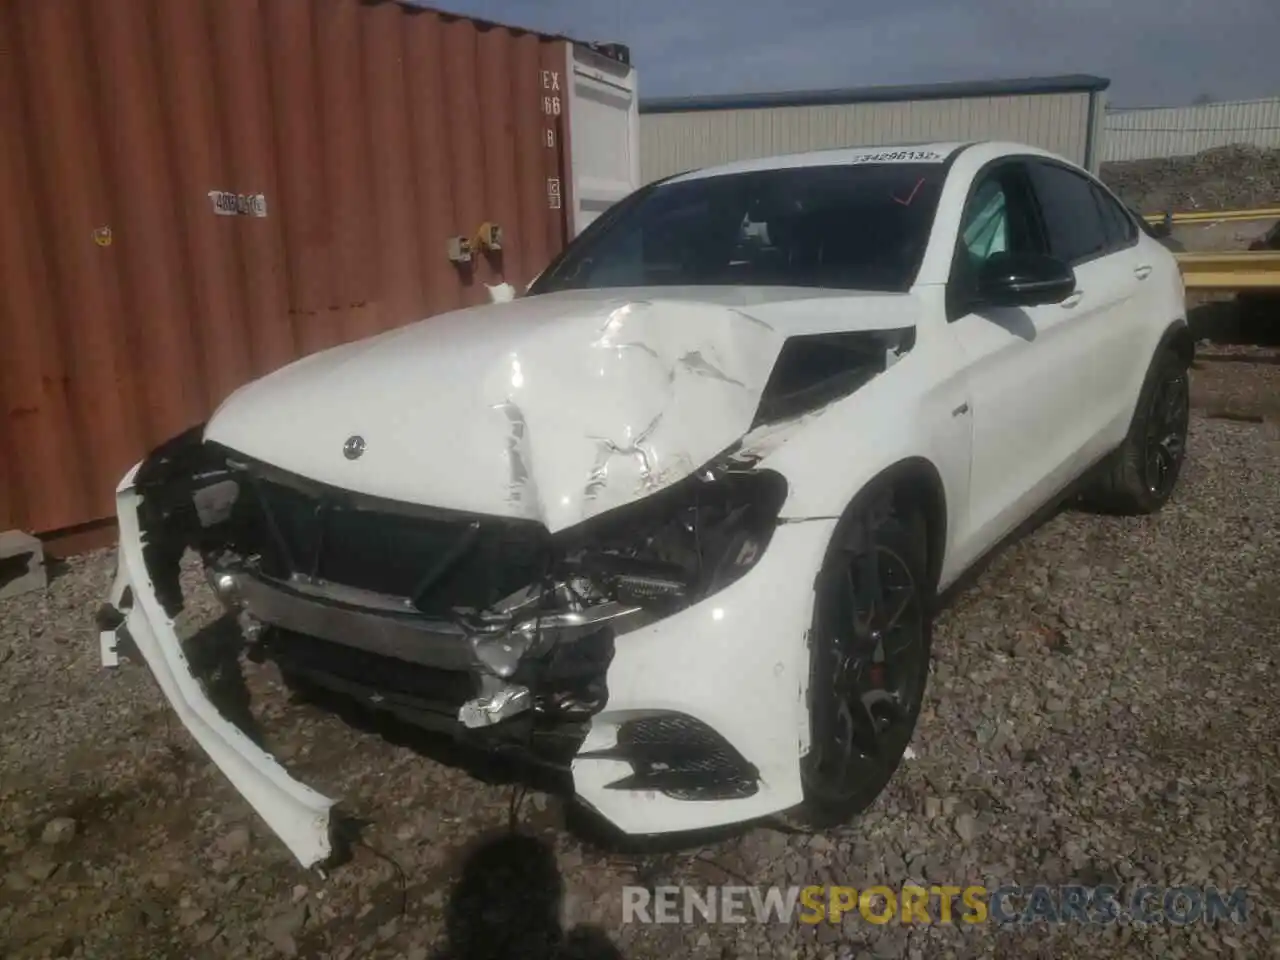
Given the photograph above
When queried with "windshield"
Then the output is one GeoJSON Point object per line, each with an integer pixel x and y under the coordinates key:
{"type": "Point", "coordinates": [846, 227]}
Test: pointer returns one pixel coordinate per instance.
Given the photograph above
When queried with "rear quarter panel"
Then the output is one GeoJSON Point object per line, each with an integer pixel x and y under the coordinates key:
{"type": "Point", "coordinates": [1163, 307]}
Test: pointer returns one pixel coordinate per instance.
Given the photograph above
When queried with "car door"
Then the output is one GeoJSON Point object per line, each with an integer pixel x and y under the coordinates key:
{"type": "Point", "coordinates": [1142, 255]}
{"type": "Point", "coordinates": [1023, 363]}
{"type": "Point", "coordinates": [1086, 227]}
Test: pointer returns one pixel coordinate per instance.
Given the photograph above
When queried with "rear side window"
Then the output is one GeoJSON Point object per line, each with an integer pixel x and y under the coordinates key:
{"type": "Point", "coordinates": [1121, 230]}
{"type": "Point", "coordinates": [1072, 218]}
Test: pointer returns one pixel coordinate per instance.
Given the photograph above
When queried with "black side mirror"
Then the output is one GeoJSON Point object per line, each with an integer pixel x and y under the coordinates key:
{"type": "Point", "coordinates": [1024, 280]}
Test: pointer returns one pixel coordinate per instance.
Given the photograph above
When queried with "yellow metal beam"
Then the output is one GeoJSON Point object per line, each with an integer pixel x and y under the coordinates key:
{"type": "Point", "coordinates": [1218, 216]}
{"type": "Point", "coordinates": [1234, 270]}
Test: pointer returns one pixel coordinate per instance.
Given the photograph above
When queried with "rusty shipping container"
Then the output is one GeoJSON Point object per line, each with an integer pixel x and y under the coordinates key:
{"type": "Point", "coordinates": [200, 191]}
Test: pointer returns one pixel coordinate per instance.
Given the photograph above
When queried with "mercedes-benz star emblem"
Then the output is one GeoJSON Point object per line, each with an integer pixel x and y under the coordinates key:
{"type": "Point", "coordinates": [353, 449]}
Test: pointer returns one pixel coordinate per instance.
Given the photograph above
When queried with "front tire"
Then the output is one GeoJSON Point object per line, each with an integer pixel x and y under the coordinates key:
{"type": "Point", "coordinates": [869, 663]}
{"type": "Point", "coordinates": [1140, 477]}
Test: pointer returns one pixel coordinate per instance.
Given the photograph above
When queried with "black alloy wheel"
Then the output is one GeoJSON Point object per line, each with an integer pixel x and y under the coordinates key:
{"type": "Point", "coordinates": [1140, 475]}
{"type": "Point", "coordinates": [1165, 440]}
{"type": "Point", "coordinates": [869, 665]}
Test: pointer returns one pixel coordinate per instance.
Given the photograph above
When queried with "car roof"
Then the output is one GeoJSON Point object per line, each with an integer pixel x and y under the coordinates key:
{"type": "Point", "coordinates": [935, 152]}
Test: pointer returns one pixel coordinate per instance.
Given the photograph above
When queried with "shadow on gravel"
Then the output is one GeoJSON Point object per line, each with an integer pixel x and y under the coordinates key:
{"type": "Point", "coordinates": [1250, 319]}
{"type": "Point", "coordinates": [214, 655]}
{"type": "Point", "coordinates": [506, 903]}
{"type": "Point", "coordinates": [970, 577]}
{"type": "Point", "coordinates": [498, 769]}
{"type": "Point", "coordinates": [490, 768]}
{"type": "Point", "coordinates": [1238, 358]}
{"type": "Point", "coordinates": [597, 834]}
{"type": "Point", "coordinates": [589, 829]}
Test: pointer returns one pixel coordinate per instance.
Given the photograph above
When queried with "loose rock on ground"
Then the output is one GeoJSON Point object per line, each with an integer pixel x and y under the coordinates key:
{"type": "Point", "coordinates": [1224, 178]}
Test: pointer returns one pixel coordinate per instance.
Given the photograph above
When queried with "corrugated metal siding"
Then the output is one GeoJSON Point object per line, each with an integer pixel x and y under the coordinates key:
{"type": "Point", "coordinates": [675, 142]}
{"type": "Point", "coordinates": [128, 310]}
{"type": "Point", "coordinates": [1182, 131]}
{"type": "Point", "coordinates": [1097, 131]}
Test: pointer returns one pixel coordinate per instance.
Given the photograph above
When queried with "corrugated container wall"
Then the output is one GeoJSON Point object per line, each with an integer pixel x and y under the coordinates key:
{"type": "Point", "coordinates": [1181, 131]}
{"type": "Point", "coordinates": [676, 138]}
{"type": "Point", "coordinates": [200, 191]}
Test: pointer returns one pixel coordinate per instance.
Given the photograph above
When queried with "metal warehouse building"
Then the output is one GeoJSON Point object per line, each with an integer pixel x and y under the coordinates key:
{"type": "Point", "coordinates": [1063, 114]}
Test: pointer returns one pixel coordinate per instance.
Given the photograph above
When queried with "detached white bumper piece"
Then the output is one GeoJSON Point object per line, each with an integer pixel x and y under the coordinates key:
{"type": "Point", "coordinates": [298, 814]}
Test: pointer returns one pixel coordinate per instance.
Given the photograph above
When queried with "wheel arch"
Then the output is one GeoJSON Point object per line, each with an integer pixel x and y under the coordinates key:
{"type": "Point", "coordinates": [910, 486]}
{"type": "Point", "coordinates": [1177, 337]}
{"type": "Point", "coordinates": [909, 490]}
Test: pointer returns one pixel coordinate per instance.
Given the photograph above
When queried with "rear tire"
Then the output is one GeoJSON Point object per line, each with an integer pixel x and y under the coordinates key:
{"type": "Point", "coordinates": [1140, 476]}
{"type": "Point", "coordinates": [869, 663]}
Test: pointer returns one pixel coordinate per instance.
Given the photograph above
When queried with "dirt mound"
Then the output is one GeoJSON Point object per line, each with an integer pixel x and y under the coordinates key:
{"type": "Point", "coordinates": [1224, 178]}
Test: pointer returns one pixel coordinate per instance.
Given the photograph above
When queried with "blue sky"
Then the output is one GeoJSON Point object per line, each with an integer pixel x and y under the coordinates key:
{"type": "Point", "coordinates": [1156, 52]}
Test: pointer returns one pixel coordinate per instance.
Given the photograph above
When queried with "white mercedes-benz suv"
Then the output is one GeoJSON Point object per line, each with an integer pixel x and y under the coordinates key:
{"type": "Point", "coordinates": [675, 521]}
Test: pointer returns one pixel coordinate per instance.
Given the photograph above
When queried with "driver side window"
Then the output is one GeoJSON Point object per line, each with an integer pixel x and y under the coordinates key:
{"type": "Point", "coordinates": [999, 217]}
{"type": "Point", "coordinates": [986, 226]}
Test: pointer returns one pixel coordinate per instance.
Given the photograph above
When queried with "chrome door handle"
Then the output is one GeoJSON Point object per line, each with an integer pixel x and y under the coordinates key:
{"type": "Point", "coordinates": [1072, 300]}
{"type": "Point", "coordinates": [1142, 272]}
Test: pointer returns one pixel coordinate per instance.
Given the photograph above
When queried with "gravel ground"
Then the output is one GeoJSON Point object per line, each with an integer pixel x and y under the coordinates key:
{"type": "Point", "coordinates": [1102, 708]}
{"type": "Point", "coordinates": [1225, 178]}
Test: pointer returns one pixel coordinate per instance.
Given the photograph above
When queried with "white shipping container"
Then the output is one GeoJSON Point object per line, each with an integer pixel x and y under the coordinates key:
{"type": "Point", "coordinates": [604, 133]}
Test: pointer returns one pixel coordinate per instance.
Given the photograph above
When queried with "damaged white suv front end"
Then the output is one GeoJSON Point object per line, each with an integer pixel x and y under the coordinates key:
{"type": "Point", "coordinates": [593, 574]}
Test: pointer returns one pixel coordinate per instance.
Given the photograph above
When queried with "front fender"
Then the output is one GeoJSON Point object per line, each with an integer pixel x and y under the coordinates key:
{"type": "Point", "coordinates": [913, 411]}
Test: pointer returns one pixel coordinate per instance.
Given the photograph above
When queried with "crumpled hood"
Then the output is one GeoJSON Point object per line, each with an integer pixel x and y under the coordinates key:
{"type": "Point", "coordinates": [553, 408]}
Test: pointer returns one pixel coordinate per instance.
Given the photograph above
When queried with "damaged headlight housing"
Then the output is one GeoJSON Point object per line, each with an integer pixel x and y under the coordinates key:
{"type": "Point", "coordinates": [681, 545]}
{"type": "Point", "coordinates": [637, 564]}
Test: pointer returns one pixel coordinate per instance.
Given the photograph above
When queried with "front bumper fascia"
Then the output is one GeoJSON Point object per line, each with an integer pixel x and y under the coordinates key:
{"type": "Point", "coordinates": [299, 815]}
{"type": "Point", "coordinates": [736, 662]}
